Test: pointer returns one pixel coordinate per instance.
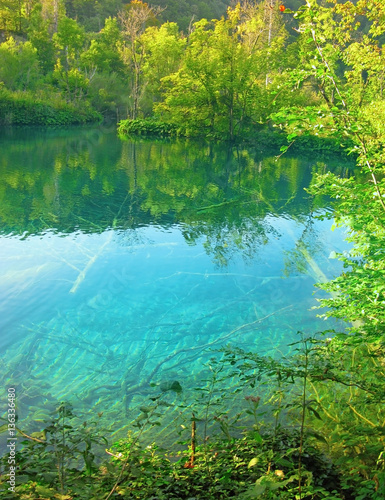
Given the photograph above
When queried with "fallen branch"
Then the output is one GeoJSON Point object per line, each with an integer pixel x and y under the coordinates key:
{"type": "Point", "coordinates": [137, 388]}
{"type": "Point", "coordinates": [90, 263]}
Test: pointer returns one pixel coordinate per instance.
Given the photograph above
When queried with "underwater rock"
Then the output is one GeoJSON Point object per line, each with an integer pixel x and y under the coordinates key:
{"type": "Point", "coordinates": [170, 385]}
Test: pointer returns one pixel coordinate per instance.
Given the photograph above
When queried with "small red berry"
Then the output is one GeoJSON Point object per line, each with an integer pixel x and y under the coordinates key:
{"type": "Point", "coordinates": [282, 8]}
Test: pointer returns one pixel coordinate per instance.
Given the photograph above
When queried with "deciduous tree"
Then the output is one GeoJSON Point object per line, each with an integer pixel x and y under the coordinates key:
{"type": "Point", "coordinates": [69, 41]}
{"type": "Point", "coordinates": [220, 87]}
{"type": "Point", "coordinates": [134, 19]}
{"type": "Point", "coordinates": [164, 49]}
{"type": "Point", "coordinates": [19, 67]}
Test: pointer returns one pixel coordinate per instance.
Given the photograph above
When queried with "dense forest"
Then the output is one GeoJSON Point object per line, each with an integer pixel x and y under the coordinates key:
{"type": "Point", "coordinates": [228, 71]}
{"type": "Point", "coordinates": [71, 62]}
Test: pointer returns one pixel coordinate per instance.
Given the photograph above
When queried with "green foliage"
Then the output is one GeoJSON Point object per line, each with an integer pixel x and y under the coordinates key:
{"type": "Point", "coordinates": [271, 455]}
{"type": "Point", "coordinates": [61, 459]}
{"type": "Point", "coordinates": [103, 52]}
{"type": "Point", "coordinates": [164, 48]}
{"type": "Point", "coordinates": [347, 71]}
{"type": "Point", "coordinates": [221, 84]}
{"type": "Point", "coordinates": [217, 82]}
{"type": "Point", "coordinates": [13, 16]}
{"type": "Point", "coordinates": [90, 13]}
{"type": "Point", "coordinates": [146, 127]}
{"type": "Point", "coordinates": [184, 12]}
{"type": "Point", "coordinates": [353, 114]}
{"type": "Point", "coordinates": [23, 108]}
{"type": "Point", "coordinates": [19, 68]}
{"type": "Point", "coordinates": [69, 37]}
{"type": "Point", "coordinates": [107, 95]}
{"type": "Point", "coordinates": [39, 36]}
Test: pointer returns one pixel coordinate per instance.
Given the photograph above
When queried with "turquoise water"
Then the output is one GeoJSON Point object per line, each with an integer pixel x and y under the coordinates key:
{"type": "Point", "coordinates": [124, 264]}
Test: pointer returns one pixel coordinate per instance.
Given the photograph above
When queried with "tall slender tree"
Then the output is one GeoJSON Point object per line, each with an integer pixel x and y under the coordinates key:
{"type": "Point", "coordinates": [134, 20]}
{"type": "Point", "coordinates": [69, 41]}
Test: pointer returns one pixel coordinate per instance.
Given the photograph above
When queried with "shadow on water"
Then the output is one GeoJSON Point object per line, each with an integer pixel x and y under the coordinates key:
{"type": "Point", "coordinates": [125, 263]}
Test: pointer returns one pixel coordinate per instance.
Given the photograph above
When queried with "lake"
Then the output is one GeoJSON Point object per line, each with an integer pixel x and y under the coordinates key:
{"type": "Point", "coordinates": [125, 265]}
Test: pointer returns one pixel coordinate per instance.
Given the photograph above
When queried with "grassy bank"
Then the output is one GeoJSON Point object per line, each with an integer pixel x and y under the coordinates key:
{"type": "Point", "coordinates": [27, 108]}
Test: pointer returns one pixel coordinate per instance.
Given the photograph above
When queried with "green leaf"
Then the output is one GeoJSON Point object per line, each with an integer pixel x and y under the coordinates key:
{"type": "Point", "coordinates": [316, 435]}
{"type": "Point", "coordinates": [3, 428]}
{"type": "Point", "coordinates": [314, 412]}
{"type": "Point", "coordinates": [257, 437]}
{"type": "Point", "coordinates": [284, 462]}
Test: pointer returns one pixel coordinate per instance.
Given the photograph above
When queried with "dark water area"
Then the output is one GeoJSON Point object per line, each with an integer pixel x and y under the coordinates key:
{"type": "Point", "coordinates": [125, 265]}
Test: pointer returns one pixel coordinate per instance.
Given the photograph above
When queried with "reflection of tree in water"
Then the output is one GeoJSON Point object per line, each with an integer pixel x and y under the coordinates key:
{"type": "Point", "coordinates": [230, 238]}
{"type": "Point", "coordinates": [91, 181]}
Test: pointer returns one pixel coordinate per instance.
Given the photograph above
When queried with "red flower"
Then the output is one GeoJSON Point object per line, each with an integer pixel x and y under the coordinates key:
{"type": "Point", "coordinates": [282, 8]}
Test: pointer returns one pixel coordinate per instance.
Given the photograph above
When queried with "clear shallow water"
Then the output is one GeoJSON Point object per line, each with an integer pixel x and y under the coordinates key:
{"type": "Point", "coordinates": [123, 264]}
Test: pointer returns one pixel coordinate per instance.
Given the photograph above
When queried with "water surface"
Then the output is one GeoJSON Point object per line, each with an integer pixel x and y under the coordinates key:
{"type": "Point", "coordinates": [125, 264]}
